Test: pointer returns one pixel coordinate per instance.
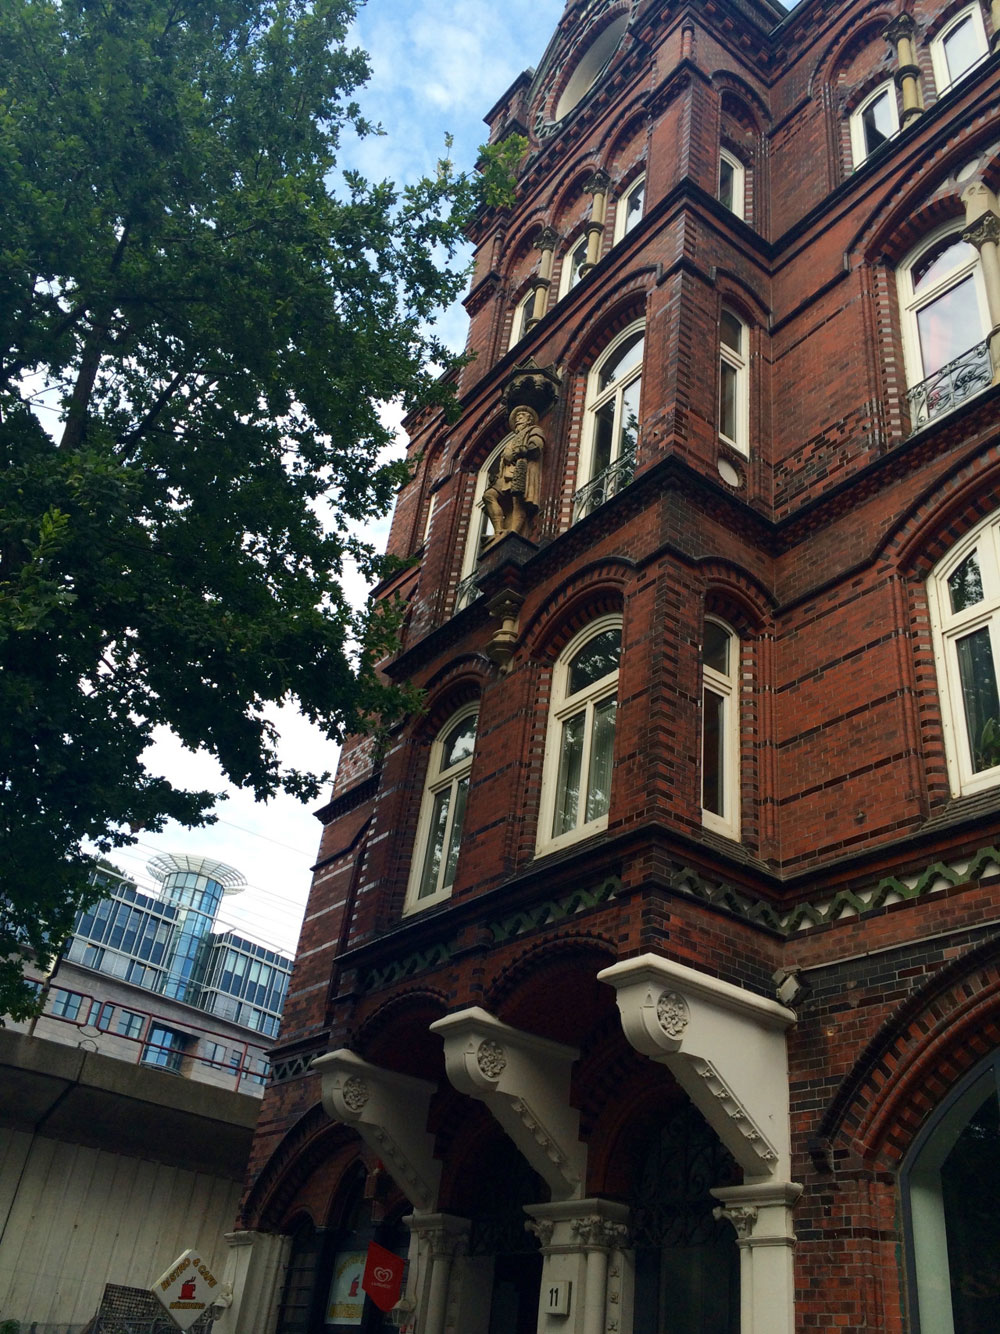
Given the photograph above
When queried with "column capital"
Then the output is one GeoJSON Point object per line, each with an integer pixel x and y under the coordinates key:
{"type": "Point", "coordinates": [575, 1226]}
{"type": "Point", "coordinates": [986, 228]}
{"type": "Point", "coordinates": [442, 1234]}
{"type": "Point", "coordinates": [761, 1213]}
{"type": "Point", "coordinates": [902, 25]}
{"type": "Point", "coordinates": [597, 184]}
{"type": "Point", "coordinates": [547, 239]}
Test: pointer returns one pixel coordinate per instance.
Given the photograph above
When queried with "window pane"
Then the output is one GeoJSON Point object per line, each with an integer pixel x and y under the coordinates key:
{"type": "Point", "coordinates": [949, 255]}
{"type": "Point", "coordinates": [625, 358]}
{"type": "Point", "coordinates": [455, 837]}
{"type": "Point", "coordinates": [602, 745]}
{"type": "Point", "coordinates": [711, 753]}
{"type": "Point", "coordinates": [435, 844]}
{"type": "Point", "coordinates": [726, 182]}
{"type": "Point", "coordinates": [633, 207]}
{"type": "Point", "coordinates": [595, 660]}
{"type": "Point", "coordinates": [878, 122]}
{"type": "Point", "coordinates": [979, 698]}
{"type": "Point", "coordinates": [604, 434]}
{"type": "Point", "coordinates": [961, 49]}
{"type": "Point", "coordinates": [949, 325]}
{"type": "Point", "coordinates": [731, 331]}
{"type": "Point", "coordinates": [965, 587]}
{"type": "Point", "coordinates": [970, 1177]}
{"type": "Point", "coordinates": [570, 763]}
{"type": "Point", "coordinates": [727, 400]}
{"type": "Point", "coordinates": [629, 428]}
{"type": "Point", "coordinates": [460, 742]}
{"type": "Point", "coordinates": [715, 650]}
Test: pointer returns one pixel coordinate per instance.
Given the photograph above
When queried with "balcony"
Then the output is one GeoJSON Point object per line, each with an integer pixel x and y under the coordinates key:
{"type": "Point", "coordinates": [950, 386]}
{"type": "Point", "coordinates": [604, 486]}
{"type": "Point", "coordinates": [466, 593]}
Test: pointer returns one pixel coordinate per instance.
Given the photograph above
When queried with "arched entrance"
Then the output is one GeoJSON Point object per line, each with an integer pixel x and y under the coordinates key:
{"type": "Point", "coordinates": [686, 1260]}
{"type": "Point", "coordinates": [504, 1264]}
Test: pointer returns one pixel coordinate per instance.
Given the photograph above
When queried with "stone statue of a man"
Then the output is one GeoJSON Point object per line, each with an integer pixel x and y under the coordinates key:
{"type": "Point", "coordinates": [511, 496]}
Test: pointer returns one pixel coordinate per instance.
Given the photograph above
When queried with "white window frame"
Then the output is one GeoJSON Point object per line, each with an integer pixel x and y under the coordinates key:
{"type": "Point", "coordinates": [739, 362]}
{"type": "Point", "coordinates": [739, 204]}
{"type": "Point", "coordinates": [479, 523]}
{"type": "Point", "coordinates": [859, 148]}
{"type": "Point", "coordinates": [943, 79]}
{"type": "Point", "coordinates": [911, 302]}
{"type": "Point", "coordinates": [948, 628]}
{"type": "Point", "coordinates": [622, 227]}
{"type": "Point", "coordinates": [437, 780]}
{"type": "Point", "coordinates": [522, 313]}
{"type": "Point", "coordinates": [562, 708]}
{"type": "Point", "coordinates": [570, 273]}
{"type": "Point", "coordinates": [596, 399]}
{"type": "Point", "coordinates": [725, 686]}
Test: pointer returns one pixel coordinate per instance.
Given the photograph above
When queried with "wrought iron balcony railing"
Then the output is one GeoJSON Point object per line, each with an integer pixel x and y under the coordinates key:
{"type": "Point", "coordinates": [466, 593]}
{"type": "Point", "coordinates": [604, 486]}
{"type": "Point", "coordinates": [956, 381]}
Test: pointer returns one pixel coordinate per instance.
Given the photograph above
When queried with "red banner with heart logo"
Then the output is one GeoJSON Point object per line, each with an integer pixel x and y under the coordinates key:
{"type": "Point", "coordinates": [383, 1276]}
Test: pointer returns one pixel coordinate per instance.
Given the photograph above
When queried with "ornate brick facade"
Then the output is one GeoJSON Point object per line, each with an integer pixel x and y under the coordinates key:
{"type": "Point", "coordinates": [783, 868]}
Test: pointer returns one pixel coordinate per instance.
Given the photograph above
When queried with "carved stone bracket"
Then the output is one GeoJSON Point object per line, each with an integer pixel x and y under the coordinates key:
{"type": "Point", "coordinates": [524, 1081]}
{"type": "Point", "coordinates": [532, 386]}
{"type": "Point", "coordinates": [389, 1112]}
{"type": "Point", "coordinates": [724, 1044]}
{"type": "Point", "coordinates": [504, 608]}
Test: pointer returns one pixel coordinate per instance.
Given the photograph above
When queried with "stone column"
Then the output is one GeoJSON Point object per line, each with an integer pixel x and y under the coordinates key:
{"type": "Point", "coordinates": [597, 186]}
{"type": "Point", "coordinates": [251, 1282]}
{"type": "Point", "coordinates": [982, 216]}
{"type": "Point", "coordinates": [545, 242]}
{"type": "Point", "coordinates": [900, 34]}
{"type": "Point", "coordinates": [440, 1238]}
{"type": "Point", "coordinates": [581, 1244]}
{"type": "Point", "coordinates": [762, 1217]}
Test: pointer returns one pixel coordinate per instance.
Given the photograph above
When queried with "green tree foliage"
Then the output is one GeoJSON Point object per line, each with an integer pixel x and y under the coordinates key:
{"type": "Point", "coordinates": [198, 320]}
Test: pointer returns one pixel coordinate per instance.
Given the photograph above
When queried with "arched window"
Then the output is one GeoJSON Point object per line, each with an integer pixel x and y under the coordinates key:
{"type": "Point", "coordinates": [579, 750]}
{"type": "Point", "coordinates": [950, 1181]}
{"type": "Point", "coordinates": [628, 211]}
{"type": "Point", "coordinates": [442, 812]}
{"type": "Point", "coordinates": [732, 183]}
{"type": "Point", "coordinates": [479, 535]}
{"type": "Point", "coordinates": [959, 47]}
{"type": "Point", "coordinates": [734, 381]}
{"type": "Point", "coordinates": [522, 314]}
{"type": "Point", "coordinates": [945, 321]}
{"type": "Point", "coordinates": [572, 266]}
{"type": "Point", "coordinates": [964, 596]}
{"type": "Point", "coordinates": [874, 122]}
{"type": "Point", "coordinates": [611, 427]}
{"type": "Point", "coordinates": [720, 729]}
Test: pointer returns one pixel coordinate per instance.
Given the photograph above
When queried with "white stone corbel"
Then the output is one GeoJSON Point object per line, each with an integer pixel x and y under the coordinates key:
{"type": "Point", "coordinates": [389, 1112]}
{"type": "Point", "coordinates": [724, 1045]}
{"type": "Point", "coordinates": [524, 1081]}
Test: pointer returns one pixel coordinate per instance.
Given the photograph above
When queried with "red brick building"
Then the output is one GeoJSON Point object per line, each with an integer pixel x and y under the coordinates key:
{"type": "Point", "coordinates": [650, 981]}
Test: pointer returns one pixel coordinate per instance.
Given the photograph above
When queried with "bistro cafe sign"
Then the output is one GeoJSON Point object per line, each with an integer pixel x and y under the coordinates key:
{"type": "Point", "coordinates": [186, 1289]}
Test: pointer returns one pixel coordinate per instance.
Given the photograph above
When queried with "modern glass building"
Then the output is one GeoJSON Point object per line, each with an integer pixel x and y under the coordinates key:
{"type": "Point", "coordinates": [168, 945]}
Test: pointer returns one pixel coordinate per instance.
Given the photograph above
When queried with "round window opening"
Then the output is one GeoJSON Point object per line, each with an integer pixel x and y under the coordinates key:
{"type": "Point", "coordinates": [590, 65]}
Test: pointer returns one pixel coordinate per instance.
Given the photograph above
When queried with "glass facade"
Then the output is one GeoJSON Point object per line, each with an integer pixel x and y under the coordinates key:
{"type": "Point", "coordinates": [167, 945]}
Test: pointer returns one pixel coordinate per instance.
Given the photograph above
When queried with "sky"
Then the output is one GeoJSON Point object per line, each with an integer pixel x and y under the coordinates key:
{"type": "Point", "coordinates": [437, 68]}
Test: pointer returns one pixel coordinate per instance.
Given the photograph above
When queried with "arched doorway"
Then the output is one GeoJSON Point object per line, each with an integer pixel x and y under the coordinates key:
{"type": "Point", "coordinates": [504, 1261]}
{"type": "Point", "coordinates": [950, 1180]}
{"type": "Point", "coordinates": [686, 1260]}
